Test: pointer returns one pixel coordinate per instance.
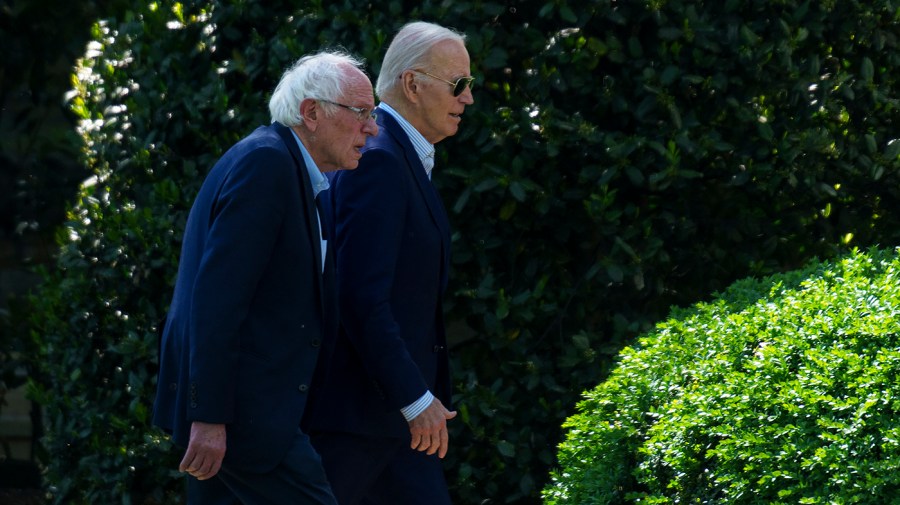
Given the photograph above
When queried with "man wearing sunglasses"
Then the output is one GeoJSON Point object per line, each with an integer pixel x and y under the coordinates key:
{"type": "Point", "coordinates": [379, 417]}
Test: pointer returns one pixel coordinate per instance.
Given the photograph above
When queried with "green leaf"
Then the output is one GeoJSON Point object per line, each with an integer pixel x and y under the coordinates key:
{"type": "Point", "coordinates": [867, 70]}
{"type": "Point", "coordinates": [486, 185]}
{"type": "Point", "coordinates": [506, 449]}
{"type": "Point", "coordinates": [892, 150]}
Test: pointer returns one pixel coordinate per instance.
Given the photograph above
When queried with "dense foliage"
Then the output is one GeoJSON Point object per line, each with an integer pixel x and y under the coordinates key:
{"type": "Point", "coordinates": [39, 166]}
{"type": "Point", "coordinates": [782, 390]}
{"type": "Point", "coordinates": [621, 157]}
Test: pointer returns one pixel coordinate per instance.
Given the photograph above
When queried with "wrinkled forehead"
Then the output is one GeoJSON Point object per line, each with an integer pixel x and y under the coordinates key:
{"type": "Point", "coordinates": [357, 89]}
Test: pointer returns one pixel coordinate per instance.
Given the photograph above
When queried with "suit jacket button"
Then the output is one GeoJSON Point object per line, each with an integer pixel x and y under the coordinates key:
{"type": "Point", "coordinates": [316, 342]}
{"type": "Point", "coordinates": [173, 386]}
{"type": "Point", "coordinates": [438, 348]}
{"type": "Point", "coordinates": [303, 388]}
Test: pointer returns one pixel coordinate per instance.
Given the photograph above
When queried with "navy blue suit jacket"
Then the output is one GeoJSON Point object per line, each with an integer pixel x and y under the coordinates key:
{"type": "Point", "coordinates": [247, 319]}
{"type": "Point", "coordinates": [392, 245]}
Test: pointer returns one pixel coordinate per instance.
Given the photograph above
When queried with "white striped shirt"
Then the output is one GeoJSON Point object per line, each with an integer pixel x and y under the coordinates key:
{"type": "Point", "coordinates": [423, 148]}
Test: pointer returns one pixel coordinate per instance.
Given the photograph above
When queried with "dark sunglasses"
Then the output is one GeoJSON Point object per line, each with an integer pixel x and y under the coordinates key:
{"type": "Point", "coordinates": [458, 87]}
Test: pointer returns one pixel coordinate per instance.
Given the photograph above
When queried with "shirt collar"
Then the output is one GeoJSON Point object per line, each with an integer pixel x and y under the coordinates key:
{"type": "Point", "coordinates": [423, 147]}
{"type": "Point", "coordinates": [316, 177]}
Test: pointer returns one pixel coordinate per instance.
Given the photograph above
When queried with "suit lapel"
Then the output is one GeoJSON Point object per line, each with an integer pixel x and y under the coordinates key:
{"type": "Point", "coordinates": [309, 203]}
{"type": "Point", "coordinates": [417, 171]}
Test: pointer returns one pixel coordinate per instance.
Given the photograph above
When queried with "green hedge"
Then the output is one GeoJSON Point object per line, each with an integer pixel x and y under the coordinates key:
{"type": "Point", "coordinates": [38, 145]}
{"type": "Point", "coordinates": [621, 158]}
{"type": "Point", "coordinates": [781, 390]}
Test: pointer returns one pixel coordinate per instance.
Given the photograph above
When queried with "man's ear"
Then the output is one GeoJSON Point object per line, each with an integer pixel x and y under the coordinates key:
{"type": "Point", "coordinates": [310, 112]}
{"type": "Point", "coordinates": [410, 86]}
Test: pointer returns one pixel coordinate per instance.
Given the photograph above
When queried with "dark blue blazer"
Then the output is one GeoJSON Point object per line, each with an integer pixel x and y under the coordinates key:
{"type": "Point", "coordinates": [392, 246]}
{"type": "Point", "coordinates": [246, 321]}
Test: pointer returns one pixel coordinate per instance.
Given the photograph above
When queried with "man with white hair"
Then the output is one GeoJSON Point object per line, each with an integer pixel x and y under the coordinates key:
{"type": "Point", "coordinates": [379, 415]}
{"type": "Point", "coordinates": [253, 297]}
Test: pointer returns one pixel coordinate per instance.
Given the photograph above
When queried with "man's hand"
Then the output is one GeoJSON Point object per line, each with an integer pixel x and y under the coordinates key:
{"type": "Point", "coordinates": [429, 429]}
{"type": "Point", "coordinates": [205, 451]}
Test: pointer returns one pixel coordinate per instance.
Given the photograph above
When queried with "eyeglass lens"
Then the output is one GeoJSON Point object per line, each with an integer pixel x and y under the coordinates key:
{"type": "Point", "coordinates": [461, 86]}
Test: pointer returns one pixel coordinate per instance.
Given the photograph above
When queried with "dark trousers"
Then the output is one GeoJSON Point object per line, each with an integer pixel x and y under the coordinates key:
{"type": "Point", "coordinates": [380, 471]}
{"type": "Point", "coordinates": [298, 480]}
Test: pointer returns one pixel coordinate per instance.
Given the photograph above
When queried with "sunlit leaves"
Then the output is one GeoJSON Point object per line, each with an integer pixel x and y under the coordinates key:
{"type": "Point", "coordinates": [781, 390]}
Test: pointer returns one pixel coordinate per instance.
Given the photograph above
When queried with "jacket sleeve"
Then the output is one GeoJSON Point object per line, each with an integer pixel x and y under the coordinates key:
{"type": "Point", "coordinates": [243, 228]}
{"type": "Point", "coordinates": [370, 213]}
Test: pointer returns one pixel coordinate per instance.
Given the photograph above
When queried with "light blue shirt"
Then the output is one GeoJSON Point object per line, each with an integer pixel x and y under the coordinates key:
{"type": "Point", "coordinates": [424, 149]}
{"type": "Point", "coordinates": [319, 184]}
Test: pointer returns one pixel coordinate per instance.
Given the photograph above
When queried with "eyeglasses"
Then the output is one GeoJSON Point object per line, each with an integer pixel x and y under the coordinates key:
{"type": "Point", "coordinates": [458, 87]}
{"type": "Point", "coordinates": [362, 114]}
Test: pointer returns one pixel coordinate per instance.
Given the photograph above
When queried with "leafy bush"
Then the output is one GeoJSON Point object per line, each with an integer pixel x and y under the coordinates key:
{"type": "Point", "coordinates": [780, 390]}
{"type": "Point", "coordinates": [38, 145]}
{"type": "Point", "coordinates": [669, 148]}
{"type": "Point", "coordinates": [621, 157]}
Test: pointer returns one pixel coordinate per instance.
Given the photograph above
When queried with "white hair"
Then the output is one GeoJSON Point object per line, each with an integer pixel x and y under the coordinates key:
{"type": "Point", "coordinates": [318, 76]}
{"type": "Point", "coordinates": [409, 49]}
